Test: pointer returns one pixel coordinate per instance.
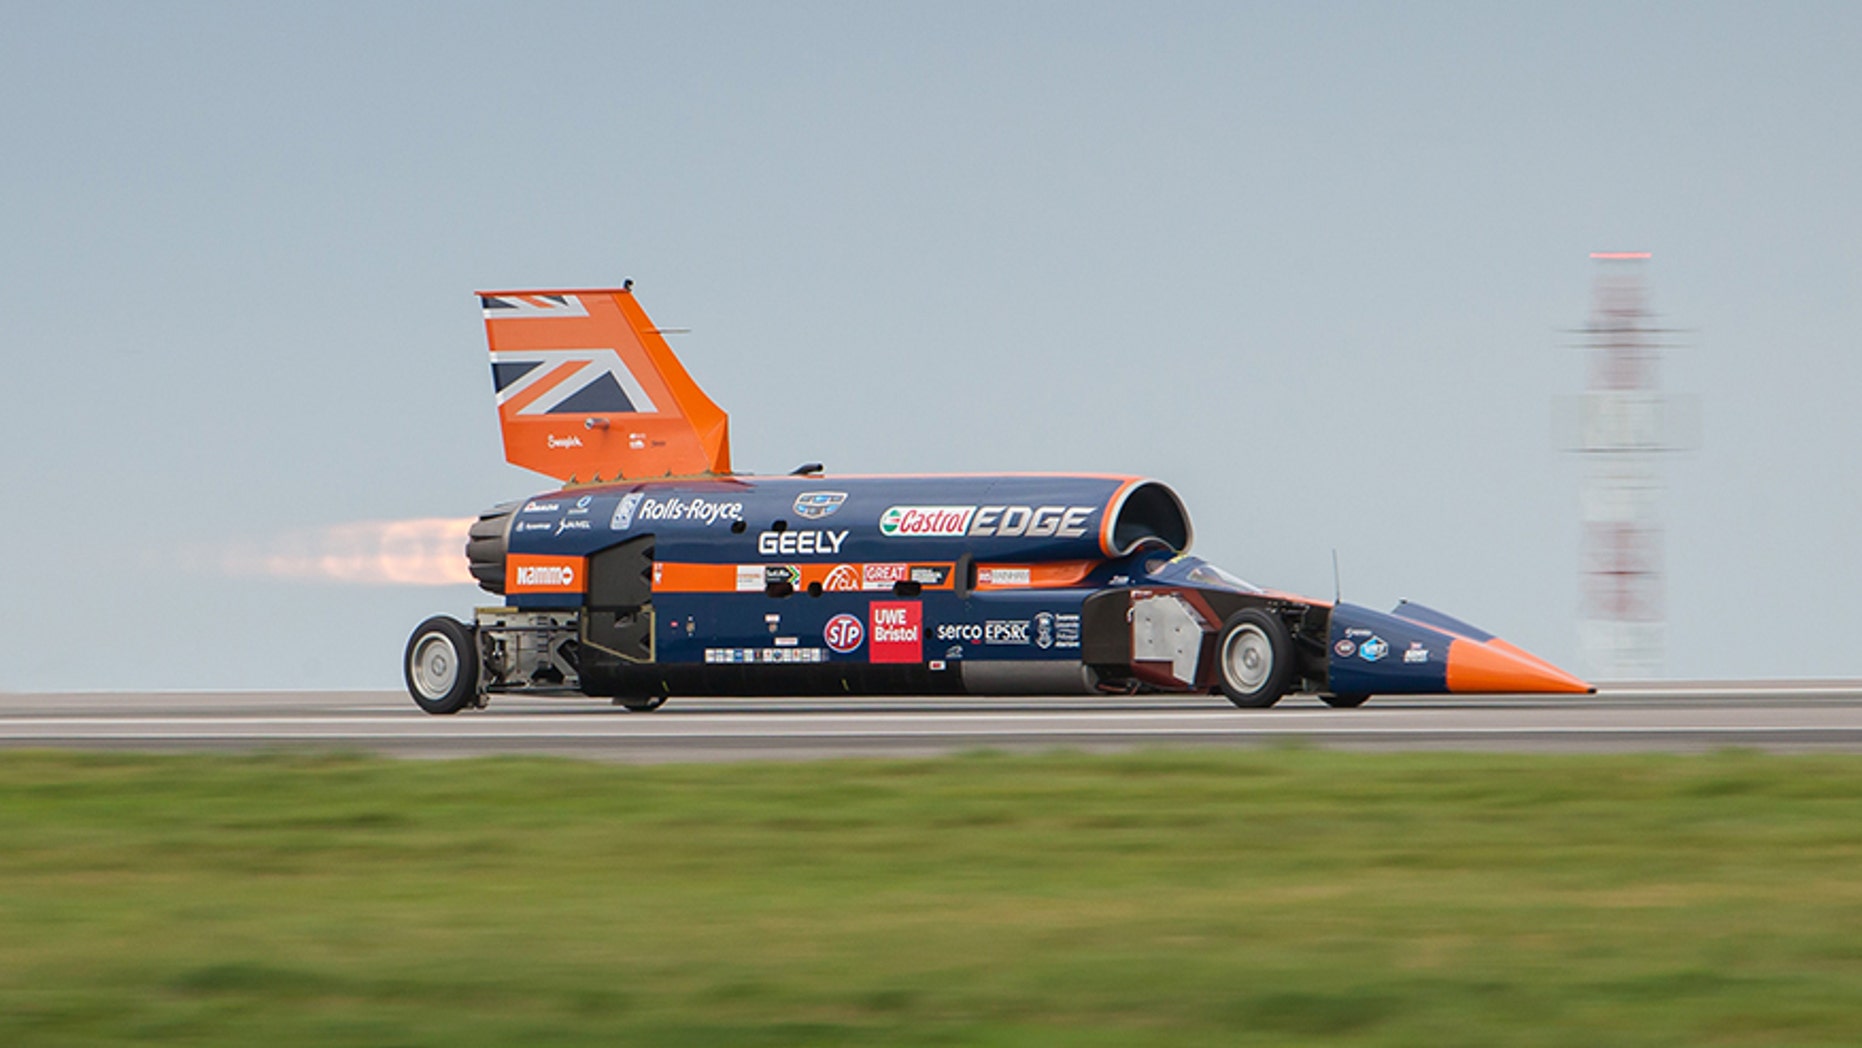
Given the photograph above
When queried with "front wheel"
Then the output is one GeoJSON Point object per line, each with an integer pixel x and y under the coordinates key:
{"type": "Point", "coordinates": [640, 703]}
{"type": "Point", "coordinates": [1343, 702]}
{"type": "Point", "coordinates": [1254, 659]}
{"type": "Point", "coordinates": [441, 665]}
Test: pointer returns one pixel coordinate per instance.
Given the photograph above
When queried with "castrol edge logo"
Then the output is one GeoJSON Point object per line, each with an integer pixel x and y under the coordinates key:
{"type": "Point", "coordinates": [945, 522]}
{"type": "Point", "coordinates": [529, 573]}
{"type": "Point", "coordinates": [926, 521]}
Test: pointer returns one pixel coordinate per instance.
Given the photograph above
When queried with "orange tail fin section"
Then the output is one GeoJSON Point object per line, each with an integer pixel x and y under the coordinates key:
{"type": "Point", "coordinates": [588, 391]}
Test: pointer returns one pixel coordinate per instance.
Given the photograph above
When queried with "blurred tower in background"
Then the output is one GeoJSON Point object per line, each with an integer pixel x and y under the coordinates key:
{"type": "Point", "coordinates": [1621, 435]}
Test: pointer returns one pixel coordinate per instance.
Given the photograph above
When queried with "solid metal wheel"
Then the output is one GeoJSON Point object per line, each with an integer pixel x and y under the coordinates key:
{"type": "Point", "coordinates": [1247, 657]}
{"type": "Point", "coordinates": [1255, 660]}
{"type": "Point", "coordinates": [435, 666]}
{"type": "Point", "coordinates": [441, 665]}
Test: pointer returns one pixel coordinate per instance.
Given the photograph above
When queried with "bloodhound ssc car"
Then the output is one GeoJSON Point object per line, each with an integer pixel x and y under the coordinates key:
{"type": "Point", "coordinates": [656, 571]}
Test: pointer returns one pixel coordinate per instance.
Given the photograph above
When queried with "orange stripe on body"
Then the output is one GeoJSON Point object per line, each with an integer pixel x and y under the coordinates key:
{"type": "Point", "coordinates": [694, 578]}
{"type": "Point", "coordinates": [722, 578]}
{"type": "Point", "coordinates": [1058, 574]}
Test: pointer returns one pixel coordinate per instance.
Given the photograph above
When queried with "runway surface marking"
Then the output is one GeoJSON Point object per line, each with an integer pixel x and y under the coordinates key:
{"type": "Point", "coordinates": [1692, 716]}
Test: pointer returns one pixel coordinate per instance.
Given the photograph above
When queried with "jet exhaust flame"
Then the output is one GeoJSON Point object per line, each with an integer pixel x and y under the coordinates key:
{"type": "Point", "coordinates": [424, 552]}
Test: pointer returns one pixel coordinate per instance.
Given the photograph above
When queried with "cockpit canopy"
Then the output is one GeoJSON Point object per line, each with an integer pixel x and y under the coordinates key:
{"type": "Point", "coordinates": [1187, 570]}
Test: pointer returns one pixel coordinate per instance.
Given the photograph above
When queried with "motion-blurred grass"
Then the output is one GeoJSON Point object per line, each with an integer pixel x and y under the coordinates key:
{"type": "Point", "coordinates": [1264, 897]}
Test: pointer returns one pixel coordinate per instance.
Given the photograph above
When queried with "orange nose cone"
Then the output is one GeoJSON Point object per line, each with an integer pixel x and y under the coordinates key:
{"type": "Point", "coordinates": [1497, 667]}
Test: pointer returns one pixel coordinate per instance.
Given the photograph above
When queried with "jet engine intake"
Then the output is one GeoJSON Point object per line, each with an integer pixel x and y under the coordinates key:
{"type": "Point", "coordinates": [487, 542]}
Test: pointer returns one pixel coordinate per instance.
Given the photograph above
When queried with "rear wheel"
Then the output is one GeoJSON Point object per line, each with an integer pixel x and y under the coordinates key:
{"type": "Point", "coordinates": [441, 665]}
{"type": "Point", "coordinates": [1254, 659]}
{"type": "Point", "coordinates": [640, 703]}
{"type": "Point", "coordinates": [1344, 702]}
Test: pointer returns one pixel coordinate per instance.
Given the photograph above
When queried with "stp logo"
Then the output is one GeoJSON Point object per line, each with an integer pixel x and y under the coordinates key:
{"type": "Point", "coordinates": [843, 633]}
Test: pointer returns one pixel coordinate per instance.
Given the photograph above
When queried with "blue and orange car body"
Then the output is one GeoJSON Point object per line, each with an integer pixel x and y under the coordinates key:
{"type": "Point", "coordinates": [657, 571]}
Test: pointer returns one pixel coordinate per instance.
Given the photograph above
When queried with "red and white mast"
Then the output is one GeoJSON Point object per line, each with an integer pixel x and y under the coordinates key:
{"type": "Point", "coordinates": [1623, 622]}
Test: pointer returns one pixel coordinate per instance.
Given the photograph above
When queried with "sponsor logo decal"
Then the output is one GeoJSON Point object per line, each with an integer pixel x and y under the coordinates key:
{"type": "Point", "coordinates": [1005, 631]}
{"type": "Point", "coordinates": [883, 576]}
{"type": "Point", "coordinates": [1345, 649]}
{"type": "Point", "coordinates": [1416, 653]}
{"type": "Point", "coordinates": [936, 522]}
{"type": "Point", "coordinates": [764, 656]}
{"type": "Point", "coordinates": [1044, 630]}
{"type": "Point", "coordinates": [844, 633]}
{"type": "Point", "coordinates": [571, 441]}
{"type": "Point", "coordinates": [1066, 631]}
{"type": "Point", "coordinates": [845, 578]}
{"type": "Point", "coordinates": [541, 507]}
{"type": "Point", "coordinates": [813, 505]}
{"type": "Point", "coordinates": [573, 525]}
{"type": "Point", "coordinates": [800, 543]}
{"type": "Point", "coordinates": [1035, 522]}
{"type": "Point", "coordinates": [695, 510]}
{"type": "Point", "coordinates": [535, 574]}
{"type": "Point", "coordinates": [1004, 576]}
{"type": "Point", "coordinates": [1355, 632]}
{"type": "Point", "coordinates": [543, 576]}
{"type": "Point", "coordinates": [929, 574]}
{"type": "Point", "coordinates": [755, 578]}
{"type": "Point", "coordinates": [624, 513]}
{"type": "Point", "coordinates": [1373, 649]}
{"type": "Point", "coordinates": [533, 525]}
{"type": "Point", "coordinates": [897, 633]}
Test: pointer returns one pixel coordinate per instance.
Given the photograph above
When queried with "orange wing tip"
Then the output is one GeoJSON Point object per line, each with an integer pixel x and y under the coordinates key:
{"type": "Point", "coordinates": [1500, 668]}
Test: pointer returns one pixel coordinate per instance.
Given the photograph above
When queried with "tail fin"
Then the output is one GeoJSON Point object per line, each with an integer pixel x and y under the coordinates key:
{"type": "Point", "coordinates": [588, 390]}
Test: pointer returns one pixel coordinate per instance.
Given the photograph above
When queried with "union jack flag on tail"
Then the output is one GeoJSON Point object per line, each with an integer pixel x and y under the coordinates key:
{"type": "Point", "coordinates": [588, 391]}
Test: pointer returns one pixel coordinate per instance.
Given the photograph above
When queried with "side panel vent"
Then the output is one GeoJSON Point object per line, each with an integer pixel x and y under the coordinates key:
{"type": "Point", "coordinates": [619, 619]}
{"type": "Point", "coordinates": [622, 576]}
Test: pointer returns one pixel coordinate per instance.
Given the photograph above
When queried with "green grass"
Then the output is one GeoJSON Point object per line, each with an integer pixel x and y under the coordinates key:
{"type": "Point", "coordinates": [1257, 897]}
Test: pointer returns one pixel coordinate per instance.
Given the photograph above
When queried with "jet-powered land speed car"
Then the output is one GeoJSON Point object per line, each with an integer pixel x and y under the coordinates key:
{"type": "Point", "coordinates": [656, 571]}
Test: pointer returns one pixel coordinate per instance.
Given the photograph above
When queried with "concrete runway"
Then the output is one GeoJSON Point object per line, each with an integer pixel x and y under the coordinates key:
{"type": "Point", "coordinates": [1783, 716]}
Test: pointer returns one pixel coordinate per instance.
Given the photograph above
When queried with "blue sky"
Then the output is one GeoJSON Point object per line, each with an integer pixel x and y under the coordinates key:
{"type": "Point", "coordinates": [1313, 264]}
